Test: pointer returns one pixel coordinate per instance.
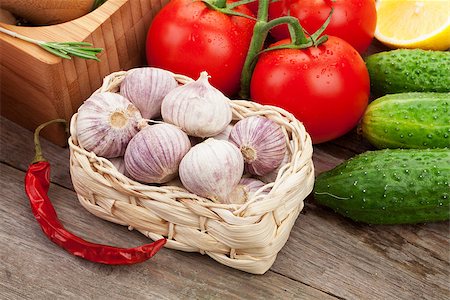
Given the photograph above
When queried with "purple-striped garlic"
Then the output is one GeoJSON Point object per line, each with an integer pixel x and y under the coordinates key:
{"type": "Point", "coordinates": [262, 143]}
{"type": "Point", "coordinates": [272, 175]}
{"type": "Point", "coordinates": [154, 154]}
{"type": "Point", "coordinates": [212, 169]}
{"type": "Point", "coordinates": [106, 122]}
{"type": "Point", "coordinates": [198, 108]}
{"type": "Point", "coordinates": [146, 88]}
{"type": "Point", "coordinates": [245, 189]}
{"type": "Point", "coordinates": [119, 164]}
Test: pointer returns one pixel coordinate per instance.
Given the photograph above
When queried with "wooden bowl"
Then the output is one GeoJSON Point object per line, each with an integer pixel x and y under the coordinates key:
{"type": "Point", "coordinates": [48, 12]}
{"type": "Point", "coordinates": [37, 86]}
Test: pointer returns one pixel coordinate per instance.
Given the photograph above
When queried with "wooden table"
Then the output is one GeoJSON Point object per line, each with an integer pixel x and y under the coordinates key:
{"type": "Point", "coordinates": [326, 257]}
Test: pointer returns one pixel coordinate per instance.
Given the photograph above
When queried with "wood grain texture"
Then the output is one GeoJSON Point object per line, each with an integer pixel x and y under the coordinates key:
{"type": "Point", "coordinates": [358, 261]}
{"type": "Point", "coordinates": [37, 86]}
{"type": "Point", "coordinates": [325, 251]}
{"type": "Point", "coordinates": [34, 268]}
{"type": "Point", "coordinates": [48, 12]}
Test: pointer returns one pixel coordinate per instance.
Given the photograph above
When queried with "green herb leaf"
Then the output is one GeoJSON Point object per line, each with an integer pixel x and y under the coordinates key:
{"type": "Point", "coordinates": [97, 3]}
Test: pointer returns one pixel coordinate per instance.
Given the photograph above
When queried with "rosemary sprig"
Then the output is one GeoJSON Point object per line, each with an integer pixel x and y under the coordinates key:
{"type": "Point", "coordinates": [62, 49]}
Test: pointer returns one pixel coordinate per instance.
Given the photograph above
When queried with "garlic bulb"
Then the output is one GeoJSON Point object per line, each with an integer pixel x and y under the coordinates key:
{"type": "Point", "coordinates": [272, 175]}
{"type": "Point", "coordinates": [212, 169]}
{"type": "Point", "coordinates": [225, 134]}
{"type": "Point", "coordinates": [198, 108]}
{"type": "Point", "coordinates": [245, 189]}
{"type": "Point", "coordinates": [154, 154]}
{"type": "Point", "coordinates": [262, 144]}
{"type": "Point", "coordinates": [119, 164]}
{"type": "Point", "coordinates": [146, 89]}
{"type": "Point", "coordinates": [106, 122]}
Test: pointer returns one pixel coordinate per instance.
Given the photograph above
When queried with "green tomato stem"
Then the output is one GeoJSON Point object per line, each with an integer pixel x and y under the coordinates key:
{"type": "Point", "coordinates": [263, 10]}
{"type": "Point", "coordinates": [298, 36]}
{"type": "Point", "coordinates": [219, 3]}
{"type": "Point", "coordinates": [260, 32]}
{"type": "Point", "coordinates": [239, 3]}
{"type": "Point", "coordinates": [256, 45]}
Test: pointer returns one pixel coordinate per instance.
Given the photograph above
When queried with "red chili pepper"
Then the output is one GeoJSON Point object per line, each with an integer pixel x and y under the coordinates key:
{"type": "Point", "coordinates": [37, 183]}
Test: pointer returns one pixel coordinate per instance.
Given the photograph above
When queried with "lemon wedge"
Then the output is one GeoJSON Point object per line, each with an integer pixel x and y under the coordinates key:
{"type": "Point", "coordinates": [414, 24]}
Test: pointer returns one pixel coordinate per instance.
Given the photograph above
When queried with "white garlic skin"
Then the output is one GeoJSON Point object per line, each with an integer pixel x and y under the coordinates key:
{"type": "Point", "coordinates": [106, 122]}
{"type": "Point", "coordinates": [262, 143]}
{"type": "Point", "coordinates": [225, 134]}
{"type": "Point", "coordinates": [146, 88]}
{"type": "Point", "coordinates": [154, 154]}
{"type": "Point", "coordinates": [198, 108]}
{"type": "Point", "coordinates": [212, 169]}
{"type": "Point", "coordinates": [245, 189]}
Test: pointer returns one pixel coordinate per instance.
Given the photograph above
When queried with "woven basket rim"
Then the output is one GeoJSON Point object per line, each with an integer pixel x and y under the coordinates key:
{"type": "Point", "coordinates": [243, 236]}
{"type": "Point", "coordinates": [112, 82]}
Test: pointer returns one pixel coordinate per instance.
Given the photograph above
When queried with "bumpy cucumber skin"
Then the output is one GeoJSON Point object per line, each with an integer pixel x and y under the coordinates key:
{"type": "Point", "coordinates": [408, 120]}
{"type": "Point", "coordinates": [409, 70]}
{"type": "Point", "coordinates": [391, 186]}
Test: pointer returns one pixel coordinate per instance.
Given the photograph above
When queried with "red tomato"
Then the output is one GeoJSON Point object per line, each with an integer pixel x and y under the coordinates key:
{"type": "Point", "coordinates": [187, 38]}
{"type": "Point", "coordinates": [352, 20]}
{"type": "Point", "coordinates": [253, 6]}
{"type": "Point", "coordinates": [325, 87]}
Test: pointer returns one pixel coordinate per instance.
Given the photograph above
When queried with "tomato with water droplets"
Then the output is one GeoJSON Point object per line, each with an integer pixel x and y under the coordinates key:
{"type": "Point", "coordinates": [186, 37]}
{"type": "Point", "coordinates": [325, 87]}
{"type": "Point", "coordinates": [352, 20]}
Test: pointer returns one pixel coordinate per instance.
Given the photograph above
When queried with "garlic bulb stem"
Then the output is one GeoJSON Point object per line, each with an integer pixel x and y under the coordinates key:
{"type": "Point", "coordinates": [262, 143]}
{"type": "Point", "coordinates": [245, 189]}
{"type": "Point", "coordinates": [249, 153]}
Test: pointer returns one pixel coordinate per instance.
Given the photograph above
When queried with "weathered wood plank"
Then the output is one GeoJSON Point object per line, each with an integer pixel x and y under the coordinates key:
{"type": "Point", "coordinates": [353, 141]}
{"type": "Point", "coordinates": [32, 267]}
{"type": "Point", "coordinates": [17, 150]}
{"type": "Point", "coordinates": [357, 261]}
{"type": "Point", "coordinates": [325, 251]}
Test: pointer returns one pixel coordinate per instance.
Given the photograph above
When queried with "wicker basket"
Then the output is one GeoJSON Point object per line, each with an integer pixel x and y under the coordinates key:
{"type": "Point", "coordinates": [246, 237]}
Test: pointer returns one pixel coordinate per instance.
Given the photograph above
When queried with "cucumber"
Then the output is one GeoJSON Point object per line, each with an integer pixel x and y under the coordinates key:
{"type": "Point", "coordinates": [409, 70]}
{"type": "Point", "coordinates": [391, 186]}
{"type": "Point", "coordinates": [408, 120]}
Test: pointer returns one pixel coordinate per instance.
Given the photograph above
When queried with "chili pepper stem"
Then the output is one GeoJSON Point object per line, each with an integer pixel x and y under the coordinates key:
{"type": "Point", "coordinates": [37, 144]}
